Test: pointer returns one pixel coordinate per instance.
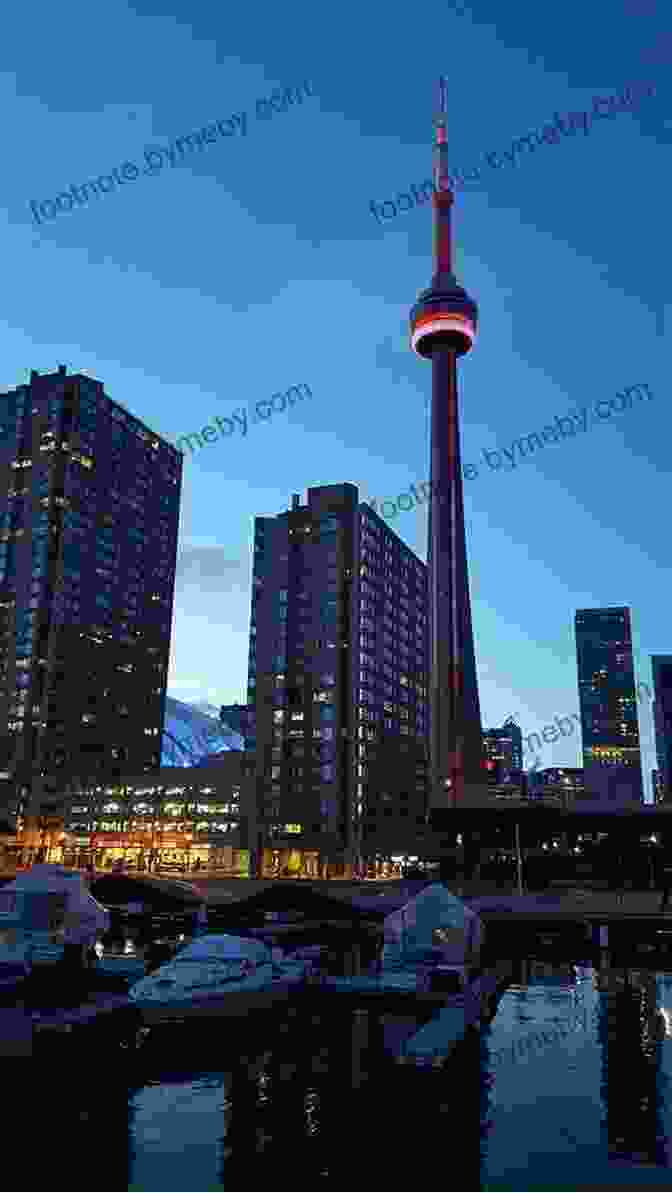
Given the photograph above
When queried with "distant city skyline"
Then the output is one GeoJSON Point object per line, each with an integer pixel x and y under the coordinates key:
{"type": "Point", "coordinates": [257, 259]}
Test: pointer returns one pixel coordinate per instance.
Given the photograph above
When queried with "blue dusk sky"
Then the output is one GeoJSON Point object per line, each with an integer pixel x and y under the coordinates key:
{"type": "Point", "coordinates": [255, 263]}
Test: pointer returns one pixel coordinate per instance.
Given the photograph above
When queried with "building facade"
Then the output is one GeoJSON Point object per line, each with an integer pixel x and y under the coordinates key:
{"type": "Point", "coordinates": [563, 786]}
{"type": "Point", "coordinates": [338, 684]}
{"type": "Point", "coordinates": [504, 755]}
{"type": "Point", "coordinates": [609, 723]}
{"type": "Point", "coordinates": [89, 508]}
{"type": "Point", "coordinates": [171, 818]}
{"type": "Point", "coordinates": [662, 718]}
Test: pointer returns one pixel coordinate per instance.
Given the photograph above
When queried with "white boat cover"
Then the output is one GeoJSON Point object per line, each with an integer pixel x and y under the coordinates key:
{"type": "Point", "coordinates": [47, 898]}
{"type": "Point", "coordinates": [435, 923]}
{"type": "Point", "coordinates": [226, 948]}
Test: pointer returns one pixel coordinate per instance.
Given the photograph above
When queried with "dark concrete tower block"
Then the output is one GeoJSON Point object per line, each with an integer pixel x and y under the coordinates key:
{"type": "Point", "coordinates": [443, 327]}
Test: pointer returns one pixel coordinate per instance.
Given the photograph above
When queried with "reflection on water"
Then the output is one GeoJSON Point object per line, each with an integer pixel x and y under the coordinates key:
{"type": "Point", "coordinates": [567, 1088]}
{"type": "Point", "coordinates": [588, 1106]}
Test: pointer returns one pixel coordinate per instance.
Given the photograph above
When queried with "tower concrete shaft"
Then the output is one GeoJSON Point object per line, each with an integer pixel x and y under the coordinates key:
{"type": "Point", "coordinates": [443, 328]}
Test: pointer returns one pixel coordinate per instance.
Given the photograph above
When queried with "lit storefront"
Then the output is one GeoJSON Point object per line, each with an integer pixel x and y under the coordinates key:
{"type": "Point", "coordinates": [190, 819]}
{"type": "Point", "coordinates": [39, 839]}
{"type": "Point", "coordinates": [291, 863]}
{"type": "Point", "coordinates": [307, 863]}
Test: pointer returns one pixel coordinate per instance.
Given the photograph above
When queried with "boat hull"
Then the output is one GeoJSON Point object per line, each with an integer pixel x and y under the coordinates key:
{"type": "Point", "coordinates": [234, 1005]}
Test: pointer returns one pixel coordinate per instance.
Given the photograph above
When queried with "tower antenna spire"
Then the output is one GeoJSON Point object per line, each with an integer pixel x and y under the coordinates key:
{"type": "Point", "coordinates": [443, 195]}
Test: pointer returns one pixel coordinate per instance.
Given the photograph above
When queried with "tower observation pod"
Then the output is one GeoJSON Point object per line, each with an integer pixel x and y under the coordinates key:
{"type": "Point", "coordinates": [443, 326]}
{"type": "Point", "coordinates": [443, 318]}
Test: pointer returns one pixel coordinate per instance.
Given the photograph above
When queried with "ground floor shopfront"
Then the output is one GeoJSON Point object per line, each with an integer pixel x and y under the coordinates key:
{"type": "Point", "coordinates": [307, 863]}
{"type": "Point", "coordinates": [225, 862]}
{"type": "Point", "coordinates": [184, 852]}
{"type": "Point", "coordinates": [189, 857]}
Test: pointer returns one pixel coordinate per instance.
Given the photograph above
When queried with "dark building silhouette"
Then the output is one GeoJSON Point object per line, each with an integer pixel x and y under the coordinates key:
{"type": "Point", "coordinates": [504, 755]}
{"type": "Point", "coordinates": [89, 506]}
{"type": "Point", "coordinates": [337, 681]}
{"type": "Point", "coordinates": [609, 726]}
{"type": "Point", "coordinates": [662, 717]}
{"type": "Point", "coordinates": [443, 328]}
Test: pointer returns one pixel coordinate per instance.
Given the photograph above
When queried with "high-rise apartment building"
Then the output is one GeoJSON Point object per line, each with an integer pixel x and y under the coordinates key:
{"type": "Point", "coordinates": [661, 666]}
{"type": "Point", "coordinates": [609, 726]}
{"type": "Point", "coordinates": [338, 682]}
{"type": "Point", "coordinates": [504, 754]}
{"type": "Point", "coordinates": [89, 510]}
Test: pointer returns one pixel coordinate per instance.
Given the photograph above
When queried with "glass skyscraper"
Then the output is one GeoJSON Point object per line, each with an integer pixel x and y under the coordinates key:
{"type": "Point", "coordinates": [609, 725]}
{"type": "Point", "coordinates": [89, 508]}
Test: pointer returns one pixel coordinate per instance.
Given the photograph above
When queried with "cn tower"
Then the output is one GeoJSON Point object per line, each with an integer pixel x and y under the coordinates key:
{"type": "Point", "coordinates": [443, 328]}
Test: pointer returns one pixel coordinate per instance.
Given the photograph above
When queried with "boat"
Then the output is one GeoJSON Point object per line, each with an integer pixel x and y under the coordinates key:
{"type": "Point", "coordinates": [216, 966]}
{"type": "Point", "coordinates": [47, 914]}
{"type": "Point", "coordinates": [436, 934]}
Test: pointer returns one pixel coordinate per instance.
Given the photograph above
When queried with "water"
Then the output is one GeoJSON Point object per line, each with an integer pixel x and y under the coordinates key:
{"type": "Point", "coordinates": [568, 1088]}
{"type": "Point", "coordinates": [577, 1084]}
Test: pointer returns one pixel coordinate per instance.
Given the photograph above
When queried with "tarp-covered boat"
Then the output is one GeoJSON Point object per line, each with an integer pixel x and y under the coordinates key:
{"type": "Point", "coordinates": [435, 928]}
{"type": "Point", "coordinates": [43, 912]}
{"type": "Point", "coordinates": [213, 967]}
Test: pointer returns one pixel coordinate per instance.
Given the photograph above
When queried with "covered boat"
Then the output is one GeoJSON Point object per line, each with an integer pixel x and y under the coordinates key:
{"type": "Point", "coordinates": [434, 928]}
{"type": "Point", "coordinates": [46, 913]}
{"type": "Point", "coordinates": [212, 967]}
